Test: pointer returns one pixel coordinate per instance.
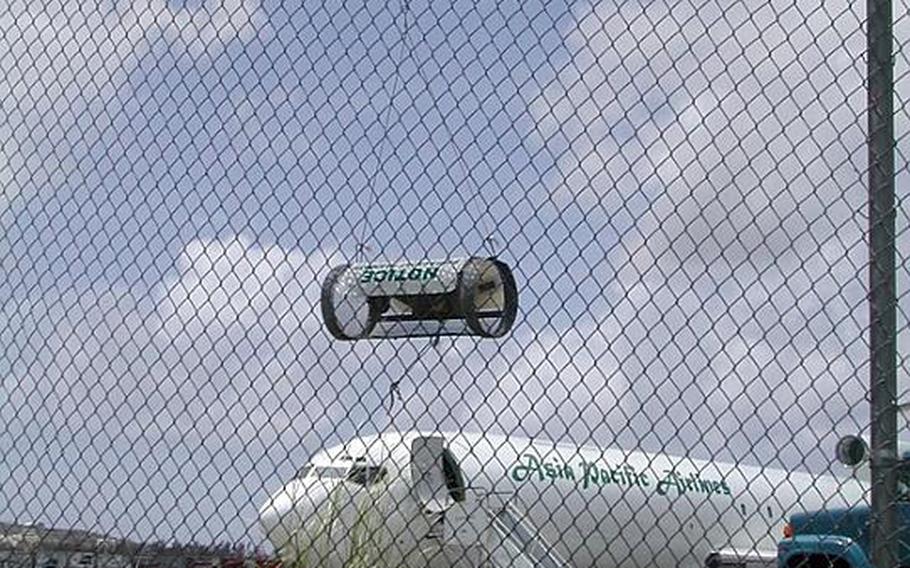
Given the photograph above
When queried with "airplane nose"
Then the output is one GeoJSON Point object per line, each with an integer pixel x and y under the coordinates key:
{"type": "Point", "coordinates": [286, 511]}
{"type": "Point", "coordinates": [274, 517]}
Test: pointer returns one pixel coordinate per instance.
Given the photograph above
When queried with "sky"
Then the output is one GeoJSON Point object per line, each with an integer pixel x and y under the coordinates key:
{"type": "Point", "coordinates": [679, 188]}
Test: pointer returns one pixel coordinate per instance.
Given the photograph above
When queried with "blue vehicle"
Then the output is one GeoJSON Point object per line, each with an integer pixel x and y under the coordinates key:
{"type": "Point", "coordinates": [837, 538]}
{"type": "Point", "coordinates": [841, 538]}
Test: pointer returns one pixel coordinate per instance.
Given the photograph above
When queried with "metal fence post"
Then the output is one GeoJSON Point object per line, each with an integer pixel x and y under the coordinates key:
{"type": "Point", "coordinates": [882, 303]}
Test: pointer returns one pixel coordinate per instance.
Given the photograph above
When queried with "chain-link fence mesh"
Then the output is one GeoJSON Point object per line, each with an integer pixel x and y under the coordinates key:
{"type": "Point", "coordinates": [677, 188]}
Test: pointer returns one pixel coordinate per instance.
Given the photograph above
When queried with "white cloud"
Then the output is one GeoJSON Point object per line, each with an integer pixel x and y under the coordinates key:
{"type": "Point", "coordinates": [58, 63]}
{"type": "Point", "coordinates": [243, 319]}
{"type": "Point", "coordinates": [230, 283]}
{"type": "Point", "coordinates": [62, 64]}
{"type": "Point", "coordinates": [733, 137]}
{"type": "Point", "coordinates": [201, 397]}
{"type": "Point", "coordinates": [213, 23]}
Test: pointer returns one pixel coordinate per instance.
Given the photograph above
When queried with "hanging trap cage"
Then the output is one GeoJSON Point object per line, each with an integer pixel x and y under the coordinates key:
{"type": "Point", "coordinates": [473, 296]}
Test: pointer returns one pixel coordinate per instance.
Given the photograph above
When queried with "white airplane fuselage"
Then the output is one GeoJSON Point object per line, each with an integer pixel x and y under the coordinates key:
{"type": "Point", "coordinates": [595, 507]}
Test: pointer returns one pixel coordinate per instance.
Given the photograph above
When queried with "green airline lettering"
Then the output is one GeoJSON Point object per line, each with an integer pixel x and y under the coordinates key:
{"type": "Point", "coordinates": [595, 475]}
{"type": "Point", "coordinates": [525, 472]}
{"type": "Point", "coordinates": [613, 477]}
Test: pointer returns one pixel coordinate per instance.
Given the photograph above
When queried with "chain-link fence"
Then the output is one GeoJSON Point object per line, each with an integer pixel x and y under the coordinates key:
{"type": "Point", "coordinates": [675, 195]}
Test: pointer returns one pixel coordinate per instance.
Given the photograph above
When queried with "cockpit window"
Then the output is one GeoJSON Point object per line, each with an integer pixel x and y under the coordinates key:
{"type": "Point", "coordinates": [328, 472]}
{"type": "Point", "coordinates": [366, 474]}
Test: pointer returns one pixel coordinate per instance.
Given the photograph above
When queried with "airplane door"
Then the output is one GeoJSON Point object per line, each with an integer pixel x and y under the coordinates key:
{"type": "Point", "coordinates": [428, 474]}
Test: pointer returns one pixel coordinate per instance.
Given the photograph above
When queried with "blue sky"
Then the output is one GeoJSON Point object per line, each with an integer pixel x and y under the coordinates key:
{"type": "Point", "coordinates": [678, 187]}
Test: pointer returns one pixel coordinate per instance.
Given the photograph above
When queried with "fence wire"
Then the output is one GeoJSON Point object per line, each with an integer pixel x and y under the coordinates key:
{"type": "Point", "coordinates": [677, 188]}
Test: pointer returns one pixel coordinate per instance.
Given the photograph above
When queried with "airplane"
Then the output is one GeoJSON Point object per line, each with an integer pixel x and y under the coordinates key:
{"type": "Point", "coordinates": [419, 499]}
